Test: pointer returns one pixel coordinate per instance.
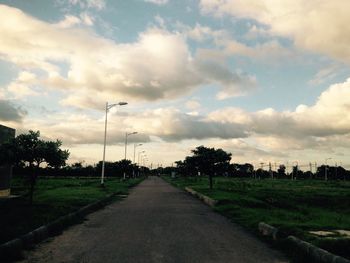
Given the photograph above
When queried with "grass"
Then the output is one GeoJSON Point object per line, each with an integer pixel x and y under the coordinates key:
{"type": "Point", "coordinates": [53, 197]}
{"type": "Point", "coordinates": [295, 207]}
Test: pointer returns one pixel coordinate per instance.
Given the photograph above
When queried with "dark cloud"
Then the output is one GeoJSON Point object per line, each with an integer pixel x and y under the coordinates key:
{"type": "Point", "coordinates": [10, 112]}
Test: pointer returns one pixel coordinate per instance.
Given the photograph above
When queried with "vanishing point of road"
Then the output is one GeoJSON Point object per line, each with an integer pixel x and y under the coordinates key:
{"type": "Point", "coordinates": [155, 223]}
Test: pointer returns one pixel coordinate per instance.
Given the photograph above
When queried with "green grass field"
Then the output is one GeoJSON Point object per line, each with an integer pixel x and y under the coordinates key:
{"type": "Point", "coordinates": [295, 207]}
{"type": "Point", "coordinates": [53, 197]}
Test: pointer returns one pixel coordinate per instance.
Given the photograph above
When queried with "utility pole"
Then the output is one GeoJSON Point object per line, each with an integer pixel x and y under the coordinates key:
{"type": "Point", "coordinates": [336, 172]}
{"type": "Point", "coordinates": [262, 168]}
{"type": "Point", "coordinates": [326, 168]}
{"type": "Point", "coordinates": [315, 167]}
{"type": "Point", "coordinates": [270, 170]}
{"type": "Point", "coordinates": [310, 164]}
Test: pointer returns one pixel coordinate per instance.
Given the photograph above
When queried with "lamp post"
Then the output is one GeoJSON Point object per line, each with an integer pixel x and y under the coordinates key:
{"type": "Point", "coordinates": [134, 164]}
{"type": "Point", "coordinates": [144, 160]}
{"type": "Point", "coordinates": [325, 169]}
{"type": "Point", "coordinates": [136, 145]}
{"type": "Point", "coordinates": [138, 157]}
{"type": "Point", "coordinates": [143, 157]}
{"type": "Point", "coordinates": [126, 141]}
{"type": "Point", "coordinates": [138, 162]}
{"type": "Point", "coordinates": [108, 107]}
{"type": "Point", "coordinates": [126, 145]}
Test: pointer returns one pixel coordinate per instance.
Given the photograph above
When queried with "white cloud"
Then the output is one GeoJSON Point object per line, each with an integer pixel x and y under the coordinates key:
{"type": "Point", "coordinates": [306, 126]}
{"type": "Point", "coordinates": [236, 85]}
{"type": "Point", "coordinates": [171, 125]}
{"type": "Point", "coordinates": [20, 91]}
{"type": "Point", "coordinates": [261, 135]}
{"type": "Point", "coordinates": [325, 74]}
{"type": "Point", "coordinates": [84, 4]}
{"type": "Point", "coordinates": [256, 31]}
{"type": "Point", "coordinates": [316, 25]}
{"type": "Point", "coordinates": [68, 21]}
{"type": "Point", "coordinates": [167, 124]}
{"type": "Point", "coordinates": [87, 19]}
{"type": "Point", "coordinates": [157, 2]}
{"type": "Point", "coordinates": [160, 20]}
{"type": "Point", "coordinates": [193, 105]}
{"type": "Point", "coordinates": [71, 21]}
{"type": "Point", "coordinates": [271, 50]}
{"type": "Point", "coordinates": [26, 77]}
{"type": "Point", "coordinates": [159, 65]}
{"type": "Point", "coordinates": [201, 33]}
{"type": "Point", "coordinates": [214, 67]}
{"type": "Point", "coordinates": [226, 46]}
{"type": "Point", "coordinates": [22, 87]}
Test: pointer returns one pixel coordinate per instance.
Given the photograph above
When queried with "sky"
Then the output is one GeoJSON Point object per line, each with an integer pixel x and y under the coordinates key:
{"type": "Point", "coordinates": [267, 80]}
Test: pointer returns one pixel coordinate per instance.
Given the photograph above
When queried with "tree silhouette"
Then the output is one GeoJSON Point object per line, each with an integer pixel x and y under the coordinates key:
{"type": "Point", "coordinates": [209, 161]}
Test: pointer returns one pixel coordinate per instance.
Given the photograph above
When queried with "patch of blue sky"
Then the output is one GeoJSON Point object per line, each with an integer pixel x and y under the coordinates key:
{"type": "Point", "coordinates": [44, 10]}
{"type": "Point", "coordinates": [8, 72]}
{"type": "Point", "coordinates": [284, 85]}
{"type": "Point", "coordinates": [284, 91]}
{"type": "Point", "coordinates": [130, 18]}
{"type": "Point", "coordinates": [49, 100]}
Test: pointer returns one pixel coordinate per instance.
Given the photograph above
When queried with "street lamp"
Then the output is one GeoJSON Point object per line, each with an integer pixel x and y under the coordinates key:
{"type": "Point", "coordinates": [126, 145]}
{"type": "Point", "coordinates": [126, 141]}
{"type": "Point", "coordinates": [108, 107]}
{"type": "Point", "coordinates": [138, 162]}
{"type": "Point", "coordinates": [134, 164]}
{"type": "Point", "coordinates": [138, 157]}
{"type": "Point", "coordinates": [144, 160]}
{"type": "Point", "coordinates": [325, 168]}
{"type": "Point", "coordinates": [136, 145]}
{"type": "Point", "coordinates": [143, 157]}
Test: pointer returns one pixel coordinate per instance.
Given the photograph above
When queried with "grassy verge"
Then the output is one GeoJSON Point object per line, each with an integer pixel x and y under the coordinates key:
{"type": "Point", "coordinates": [53, 197]}
{"type": "Point", "coordinates": [295, 207]}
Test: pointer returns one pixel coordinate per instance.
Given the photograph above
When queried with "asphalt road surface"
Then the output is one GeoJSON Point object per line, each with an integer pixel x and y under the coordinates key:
{"type": "Point", "coordinates": [155, 223]}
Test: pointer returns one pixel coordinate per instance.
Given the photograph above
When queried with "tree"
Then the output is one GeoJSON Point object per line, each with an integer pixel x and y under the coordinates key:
{"type": "Point", "coordinates": [241, 170]}
{"type": "Point", "coordinates": [281, 170]}
{"type": "Point", "coordinates": [297, 173]}
{"type": "Point", "coordinates": [261, 173]}
{"type": "Point", "coordinates": [29, 150]}
{"type": "Point", "coordinates": [209, 161]}
{"type": "Point", "coordinates": [117, 168]}
{"type": "Point", "coordinates": [125, 166]}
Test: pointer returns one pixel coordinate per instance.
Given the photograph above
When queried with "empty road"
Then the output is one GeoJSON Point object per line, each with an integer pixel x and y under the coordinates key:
{"type": "Point", "coordinates": [155, 223]}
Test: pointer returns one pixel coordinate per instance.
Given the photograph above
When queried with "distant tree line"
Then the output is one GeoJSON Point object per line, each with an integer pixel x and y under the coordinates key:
{"type": "Point", "coordinates": [216, 162]}
{"type": "Point", "coordinates": [78, 169]}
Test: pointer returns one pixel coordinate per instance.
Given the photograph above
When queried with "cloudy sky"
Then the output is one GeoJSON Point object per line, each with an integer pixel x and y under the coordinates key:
{"type": "Point", "coordinates": [267, 80]}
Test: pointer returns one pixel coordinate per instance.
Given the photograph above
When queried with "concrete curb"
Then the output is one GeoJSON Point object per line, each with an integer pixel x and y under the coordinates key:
{"type": "Point", "coordinates": [315, 253]}
{"type": "Point", "coordinates": [207, 200]}
{"type": "Point", "coordinates": [13, 248]}
{"type": "Point", "coordinates": [267, 230]}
